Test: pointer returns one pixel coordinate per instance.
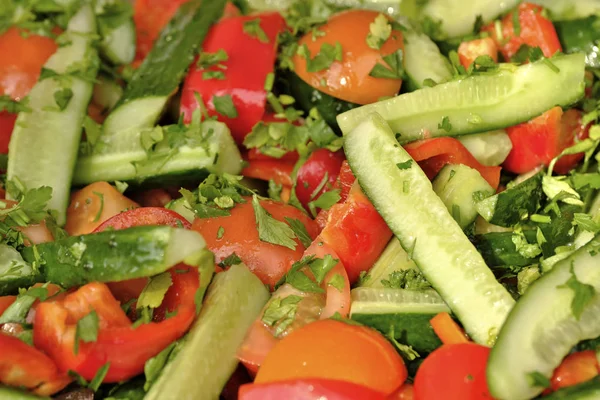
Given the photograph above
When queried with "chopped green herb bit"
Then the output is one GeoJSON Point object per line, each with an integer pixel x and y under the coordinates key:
{"type": "Point", "coordinates": [582, 294]}
{"type": "Point", "coordinates": [224, 105]}
{"type": "Point", "coordinates": [379, 31]}
{"type": "Point", "coordinates": [253, 29]}
{"type": "Point", "coordinates": [271, 230]}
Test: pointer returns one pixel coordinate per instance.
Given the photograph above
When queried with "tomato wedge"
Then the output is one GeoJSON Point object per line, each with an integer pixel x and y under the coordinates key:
{"type": "Point", "coordinates": [308, 389]}
{"type": "Point", "coordinates": [574, 369]}
{"type": "Point", "coordinates": [469, 51]}
{"type": "Point", "coordinates": [145, 216]}
{"type": "Point", "coordinates": [433, 154]}
{"type": "Point", "coordinates": [243, 82]}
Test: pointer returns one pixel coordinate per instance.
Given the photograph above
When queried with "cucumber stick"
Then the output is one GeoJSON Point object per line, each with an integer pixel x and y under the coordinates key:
{"type": "Point", "coordinates": [543, 326]}
{"type": "Point", "coordinates": [123, 158]}
{"type": "Point", "coordinates": [405, 199]}
{"type": "Point", "coordinates": [459, 186]}
{"type": "Point", "coordinates": [117, 29]}
{"type": "Point", "coordinates": [45, 140]}
{"type": "Point", "coordinates": [208, 356]}
{"type": "Point", "coordinates": [113, 256]}
{"type": "Point", "coordinates": [163, 69]}
{"type": "Point", "coordinates": [489, 148]}
{"type": "Point", "coordinates": [458, 20]}
{"type": "Point", "coordinates": [407, 312]}
{"type": "Point", "coordinates": [478, 103]}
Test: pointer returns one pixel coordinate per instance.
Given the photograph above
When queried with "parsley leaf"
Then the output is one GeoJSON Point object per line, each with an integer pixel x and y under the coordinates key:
{"type": "Point", "coordinates": [582, 294]}
{"type": "Point", "coordinates": [154, 366]}
{"type": "Point", "coordinates": [12, 106]}
{"type": "Point", "coordinates": [445, 124]}
{"type": "Point", "coordinates": [405, 165]}
{"type": "Point", "coordinates": [18, 310]}
{"type": "Point", "coordinates": [321, 266]}
{"type": "Point", "coordinates": [271, 230]}
{"type": "Point", "coordinates": [62, 97]}
{"type": "Point", "coordinates": [154, 292]}
{"type": "Point", "coordinates": [524, 248]}
{"type": "Point", "coordinates": [516, 21]}
{"type": "Point", "coordinates": [586, 222]}
{"type": "Point", "coordinates": [224, 105]}
{"type": "Point", "coordinates": [537, 379]}
{"type": "Point", "coordinates": [394, 68]}
{"type": "Point", "coordinates": [253, 29]}
{"type": "Point", "coordinates": [410, 279]}
{"type": "Point", "coordinates": [281, 312]}
{"type": "Point", "coordinates": [337, 281]}
{"type": "Point", "coordinates": [300, 231]}
{"type": "Point", "coordinates": [99, 377]}
{"type": "Point", "coordinates": [230, 260]}
{"type": "Point", "coordinates": [324, 58]}
{"type": "Point", "coordinates": [379, 31]}
{"type": "Point", "coordinates": [407, 351]}
{"type": "Point", "coordinates": [207, 60]}
{"type": "Point", "coordinates": [297, 278]}
{"type": "Point", "coordinates": [325, 201]}
{"type": "Point", "coordinates": [86, 330]}
{"type": "Point", "coordinates": [275, 190]}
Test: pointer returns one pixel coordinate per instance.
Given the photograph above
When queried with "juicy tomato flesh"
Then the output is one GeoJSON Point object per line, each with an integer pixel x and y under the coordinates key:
{"type": "Point", "coordinates": [454, 372]}
{"type": "Point", "coordinates": [144, 216]}
{"type": "Point", "coordinates": [534, 30]}
{"type": "Point", "coordinates": [240, 236]}
{"type": "Point", "coordinates": [575, 368]}
{"type": "Point", "coordinates": [345, 352]}
{"type": "Point", "coordinates": [469, 51]}
{"type": "Point", "coordinates": [308, 389]}
{"type": "Point", "coordinates": [349, 79]}
{"type": "Point", "coordinates": [318, 175]}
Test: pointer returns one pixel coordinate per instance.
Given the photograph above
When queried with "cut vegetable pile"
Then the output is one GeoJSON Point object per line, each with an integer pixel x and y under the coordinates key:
{"type": "Point", "coordinates": [308, 199]}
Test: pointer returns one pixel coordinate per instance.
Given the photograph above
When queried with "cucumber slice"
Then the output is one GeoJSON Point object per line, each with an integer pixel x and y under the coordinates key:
{"type": "Point", "coordinates": [117, 29]}
{"type": "Point", "coordinates": [10, 393]}
{"type": "Point", "coordinates": [581, 35]}
{"type": "Point", "coordinates": [393, 258]}
{"type": "Point", "coordinates": [407, 312]}
{"type": "Point", "coordinates": [458, 186]}
{"type": "Point", "coordinates": [458, 20]}
{"type": "Point", "coordinates": [423, 59]}
{"type": "Point", "coordinates": [113, 256]}
{"type": "Point", "coordinates": [208, 357]}
{"type": "Point", "coordinates": [568, 9]}
{"type": "Point", "coordinates": [507, 208]}
{"type": "Point", "coordinates": [541, 328]}
{"type": "Point", "coordinates": [15, 273]}
{"type": "Point", "coordinates": [115, 159]}
{"type": "Point", "coordinates": [420, 220]}
{"type": "Point", "coordinates": [107, 92]}
{"type": "Point", "coordinates": [45, 140]}
{"type": "Point", "coordinates": [163, 69]}
{"type": "Point", "coordinates": [478, 103]}
{"type": "Point", "coordinates": [489, 148]}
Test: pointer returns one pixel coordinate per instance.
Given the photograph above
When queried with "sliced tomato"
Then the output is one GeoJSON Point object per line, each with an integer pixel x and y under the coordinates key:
{"type": "Point", "coordinates": [356, 232]}
{"type": "Point", "coordinates": [311, 175]}
{"type": "Point", "coordinates": [433, 154]}
{"type": "Point", "coordinates": [280, 171]}
{"type": "Point", "coordinates": [24, 366]}
{"type": "Point", "coordinates": [308, 389]}
{"type": "Point", "coordinates": [406, 392]}
{"type": "Point", "coordinates": [453, 372]}
{"type": "Point", "coordinates": [244, 81]}
{"type": "Point", "coordinates": [335, 350]}
{"type": "Point", "coordinates": [469, 51]}
{"type": "Point", "coordinates": [93, 205]}
{"type": "Point", "coordinates": [240, 236]}
{"type": "Point", "coordinates": [534, 30]}
{"type": "Point", "coordinates": [344, 183]}
{"type": "Point", "coordinates": [20, 71]}
{"type": "Point", "coordinates": [349, 78]}
{"type": "Point", "coordinates": [576, 368]}
{"type": "Point", "coordinates": [144, 216]}
{"type": "Point", "coordinates": [537, 142]}
{"type": "Point", "coordinates": [260, 339]}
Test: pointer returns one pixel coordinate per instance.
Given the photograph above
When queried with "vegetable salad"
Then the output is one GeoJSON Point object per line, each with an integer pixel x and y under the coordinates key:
{"type": "Point", "coordinates": [306, 199]}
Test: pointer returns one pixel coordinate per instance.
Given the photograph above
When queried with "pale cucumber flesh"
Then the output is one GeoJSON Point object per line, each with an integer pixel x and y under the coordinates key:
{"type": "Point", "coordinates": [393, 258]}
{"type": "Point", "coordinates": [478, 103]}
{"type": "Point", "coordinates": [542, 329]}
{"type": "Point", "coordinates": [208, 357]}
{"type": "Point", "coordinates": [427, 231]}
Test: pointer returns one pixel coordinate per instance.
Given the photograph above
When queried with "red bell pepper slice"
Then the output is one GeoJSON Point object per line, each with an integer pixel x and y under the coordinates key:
{"type": "Point", "coordinates": [534, 30]}
{"type": "Point", "coordinates": [250, 60]}
{"type": "Point", "coordinates": [356, 232]}
{"type": "Point", "coordinates": [279, 171]}
{"type": "Point", "coordinates": [145, 216]}
{"type": "Point", "coordinates": [126, 347]}
{"type": "Point", "coordinates": [433, 154]}
{"type": "Point", "coordinates": [25, 366]}
{"type": "Point", "coordinates": [308, 389]}
{"type": "Point", "coordinates": [537, 142]}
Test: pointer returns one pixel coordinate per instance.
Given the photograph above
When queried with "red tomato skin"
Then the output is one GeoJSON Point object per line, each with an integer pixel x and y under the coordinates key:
{"type": "Point", "coordinates": [308, 389]}
{"type": "Point", "coordinates": [7, 123]}
{"type": "Point", "coordinates": [536, 31]}
{"type": "Point", "coordinates": [279, 171]}
{"type": "Point", "coordinates": [266, 260]}
{"type": "Point", "coordinates": [573, 131]}
{"type": "Point", "coordinates": [244, 81]}
{"type": "Point", "coordinates": [356, 232]}
{"type": "Point", "coordinates": [576, 368]}
{"type": "Point", "coordinates": [312, 173]}
{"type": "Point", "coordinates": [453, 372]}
{"type": "Point", "coordinates": [145, 216]}
{"type": "Point", "coordinates": [433, 154]}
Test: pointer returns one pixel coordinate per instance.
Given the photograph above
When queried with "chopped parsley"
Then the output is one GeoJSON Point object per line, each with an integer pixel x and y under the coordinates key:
{"type": "Point", "coordinates": [86, 330]}
{"type": "Point", "coordinates": [62, 97]}
{"type": "Point", "coordinates": [583, 294]}
{"type": "Point", "coordinates": [220, 232]}
{"type": "Point", "coordinates": [271, 230]}
{"type": "Point", "coordinates": [405, 165]}
{"type": "Point", "coordinates": [379, 32]}
{"type": "Point", "coordinates": [224, 105]}
{"type": "Point", "coordinates": [406, 279]}
{"type": "Point", "coordinates": [18, 310]}
{"type": "Point", "coordinates": [12, 106]}
{"type": "Point", "coordinates": [297, 275]}
{"type": "Point", "coordinates": [252, 28]}
{"type": "Point", "coordinates": [281, 312]}
{"type": "Point", "coordinates": [337, 281]}
{"type": "Point", "coordinates": [537, 379]}
{"type": "Point", "coordinates": [325, 201]}
{"type": "Point", "coordinates": [230, 260]}
{"type": "Point", "coordinates": [393, 69]}
{"type": "Point", "coordinates": [445, 124]}
{"type": "Point", "coordinates": [154, 292]}
{"type": "Point", "coordinates": [300, 231]}
{"type": "Point", "coordinates": [324, 58]}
